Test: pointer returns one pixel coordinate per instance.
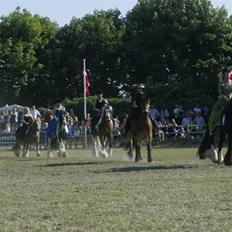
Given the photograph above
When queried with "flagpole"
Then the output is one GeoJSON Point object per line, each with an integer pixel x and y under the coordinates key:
{"type": "Point", "coordinates": [85, 112]}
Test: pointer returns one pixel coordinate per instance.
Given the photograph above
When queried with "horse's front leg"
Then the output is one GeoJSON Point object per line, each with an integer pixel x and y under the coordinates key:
{"type": "Point", "coordinates": [37, 149]}
{"type": "Point", "coordinates": [62, 150]}
{"type": "Point", "coordinates": [25, 149]}
{"type": "Point", "coordinates": [220, 145]}
{"type": "Point", "coordinates": [130, 151]}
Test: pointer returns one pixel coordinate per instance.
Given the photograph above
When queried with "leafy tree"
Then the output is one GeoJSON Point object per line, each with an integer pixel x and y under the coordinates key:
{"type": "Point", "coordinates": [97, 38]}
{"type": "Point", "coordinates": [23, 37]}
{"type": "Point", "coordinates": [177, 47]}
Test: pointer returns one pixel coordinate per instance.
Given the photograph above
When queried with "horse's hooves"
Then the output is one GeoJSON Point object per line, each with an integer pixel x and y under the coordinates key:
{"type": "Point", "coordinates": [228, 163]}
{"type": "Point", "coordinates": [64, 154]}
{"type": "Point", "coordinates": [130, 156]}
{"type": "Point", "coordinates": [49, 154]}
{"type": "Point", "coordinates": [149, 160]}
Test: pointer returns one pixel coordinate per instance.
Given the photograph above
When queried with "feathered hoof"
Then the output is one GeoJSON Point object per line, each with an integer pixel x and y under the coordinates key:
{"type": "Point", "coordinates": [103, 153]}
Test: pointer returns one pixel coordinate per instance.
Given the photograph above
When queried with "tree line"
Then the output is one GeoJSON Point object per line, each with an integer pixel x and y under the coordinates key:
{"type": "Point", "coordinates": [175, 47]}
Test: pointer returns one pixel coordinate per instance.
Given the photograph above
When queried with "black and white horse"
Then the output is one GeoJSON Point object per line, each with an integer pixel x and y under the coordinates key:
{"type": "Point", "coordinates": [224, 131]}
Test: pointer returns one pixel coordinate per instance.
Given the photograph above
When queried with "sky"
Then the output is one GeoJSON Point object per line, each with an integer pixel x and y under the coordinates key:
{"type": "Point", "coordinates": [62, 11]}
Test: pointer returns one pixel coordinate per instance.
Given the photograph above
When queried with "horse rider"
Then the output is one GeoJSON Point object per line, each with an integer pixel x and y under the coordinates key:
{"type": "Point", "coordinates": [51, 130]}
{"type": "Point", "coordinates": [97, 111]}
{"type": "Point", "coordinates": [224, 96]}
{"type": "Point", "coordinates": [60, 112]}
{"type": "Point", "coordinates": [136, 98]}
{"type": "Point", "coordinates": [25, 123]}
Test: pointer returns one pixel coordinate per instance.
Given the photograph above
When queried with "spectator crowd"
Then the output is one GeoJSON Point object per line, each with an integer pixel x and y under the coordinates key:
{"type": "Point", "coordinates": [176, 122]}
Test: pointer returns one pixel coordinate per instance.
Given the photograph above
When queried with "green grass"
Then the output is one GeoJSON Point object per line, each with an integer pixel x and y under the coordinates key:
{"type": "Point", "coordinates": [177, 192]}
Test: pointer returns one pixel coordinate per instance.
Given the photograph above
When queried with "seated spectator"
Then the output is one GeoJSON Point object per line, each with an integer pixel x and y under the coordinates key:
{"type": "Point", "coordinates": [186, 122]}
{"type": "Point", "coordinates": [154, 113]}
{"type": "Point", "coordinates": [160, 132]}
{"type": "Point", "coordinates": [200, 122]}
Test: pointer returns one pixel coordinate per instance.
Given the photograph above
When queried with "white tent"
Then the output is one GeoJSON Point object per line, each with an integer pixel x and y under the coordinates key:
{"type": "Point", "coordinates": [10, 107]}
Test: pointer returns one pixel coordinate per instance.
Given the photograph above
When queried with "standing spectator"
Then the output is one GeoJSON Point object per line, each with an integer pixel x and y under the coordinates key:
{"type": "Point", "coordinates": [164, 114]}
{"type": "Point", "coordinates": [155, 114]}
{"type": "Point", "coordinates": [20, 116]}
{"type": "Point", "coordinates": [7, 121]}
{"type": "Point", "coordinates": [200, 122]}
{"type": "Point", "coordinates": [13, 119]}
{"type": "Point", "coordinates": [197, 109]}
{"type": "Point", "coordinates": [35, 113]}
{"type": "Point", "coordinates": [88, 123]}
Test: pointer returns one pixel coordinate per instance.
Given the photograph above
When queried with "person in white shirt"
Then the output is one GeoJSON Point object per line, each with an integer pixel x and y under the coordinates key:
{"type": "Point", "coordinates": [35, 113]}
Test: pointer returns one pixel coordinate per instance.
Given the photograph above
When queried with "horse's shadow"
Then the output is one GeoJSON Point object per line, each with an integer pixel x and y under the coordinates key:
{"type": "Point", "coordinates": [145, 168]}
{"type": "Point", "coordinates": [74, 164]}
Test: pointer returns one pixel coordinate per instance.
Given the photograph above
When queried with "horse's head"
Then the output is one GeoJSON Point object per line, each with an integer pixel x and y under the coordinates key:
{"type": "Point", "coordinates": [107, 112]}
{"type": "Point", "coordinates": [36, 125]}
{"type": "Point", "coordinates": [145, 105]}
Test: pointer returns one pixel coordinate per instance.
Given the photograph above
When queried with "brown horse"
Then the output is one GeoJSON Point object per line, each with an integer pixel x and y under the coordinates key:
{"type": "Point", "coordinates": [26, 136]}
{"type": "Point", "coordinates": [102, 140]}
{"type": "Point", "coordinates": [140, 128]}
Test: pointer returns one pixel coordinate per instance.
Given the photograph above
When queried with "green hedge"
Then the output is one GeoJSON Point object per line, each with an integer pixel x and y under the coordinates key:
{"type": "Point", "coordinates": [120, 106]}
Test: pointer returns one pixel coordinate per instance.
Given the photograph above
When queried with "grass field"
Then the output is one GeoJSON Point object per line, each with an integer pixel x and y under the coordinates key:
{"type": "Point", "coordinates": [177, 192]}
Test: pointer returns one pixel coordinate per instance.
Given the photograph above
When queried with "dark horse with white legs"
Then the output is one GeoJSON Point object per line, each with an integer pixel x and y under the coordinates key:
{"type": "Point", "coordinates": [57, 139]}
{"type": "Point", "coordinates": [140, 128]}
{"type": "Point", "coordinates": [103, 134]}
{"type": "Point", "coordinates": [26, 136]}
{"type": "Point", "coordinates": [225, 130]}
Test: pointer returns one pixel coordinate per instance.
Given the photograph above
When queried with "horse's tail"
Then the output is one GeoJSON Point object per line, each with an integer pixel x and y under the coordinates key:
{"type": "Point", "coordinates": [205, 144]}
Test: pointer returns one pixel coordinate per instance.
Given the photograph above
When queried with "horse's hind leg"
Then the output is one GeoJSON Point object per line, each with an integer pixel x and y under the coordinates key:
{"type": "Point", "coordinates": [149, 147]}
{"type": "Point", "coordinates": [16, 149]}
{"type": "Point", "coordinates": [110, 145]}
{"type": "Point", "coordinates": [138, 156]}
{"type": "Point", "coordinates": [228, 158]}
{"type": "Point", "coordinates": [96, 145]}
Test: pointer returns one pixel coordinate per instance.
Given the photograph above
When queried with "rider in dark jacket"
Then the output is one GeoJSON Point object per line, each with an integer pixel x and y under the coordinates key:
{"type": "Point", "coordinates": [97, 110]}
{"type": "Point", "coordinates": [137, 95]}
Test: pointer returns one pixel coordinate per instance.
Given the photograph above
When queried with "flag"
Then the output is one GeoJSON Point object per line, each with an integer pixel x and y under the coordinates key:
{"type": "Point", "coordinates": [87, 83]}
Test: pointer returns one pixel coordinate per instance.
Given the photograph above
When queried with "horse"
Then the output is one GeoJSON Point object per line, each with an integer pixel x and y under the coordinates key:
{"type": "Point", "coordinates": [141, 127]}
{"type": "Point", "coordinates": [224, 130]}
{"type": "Point", "coordinates": [56, 140]}
{"type": "Point", "coordinates": [103, 135]}
{"type": "Point", "coordinates": [27, 135]}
